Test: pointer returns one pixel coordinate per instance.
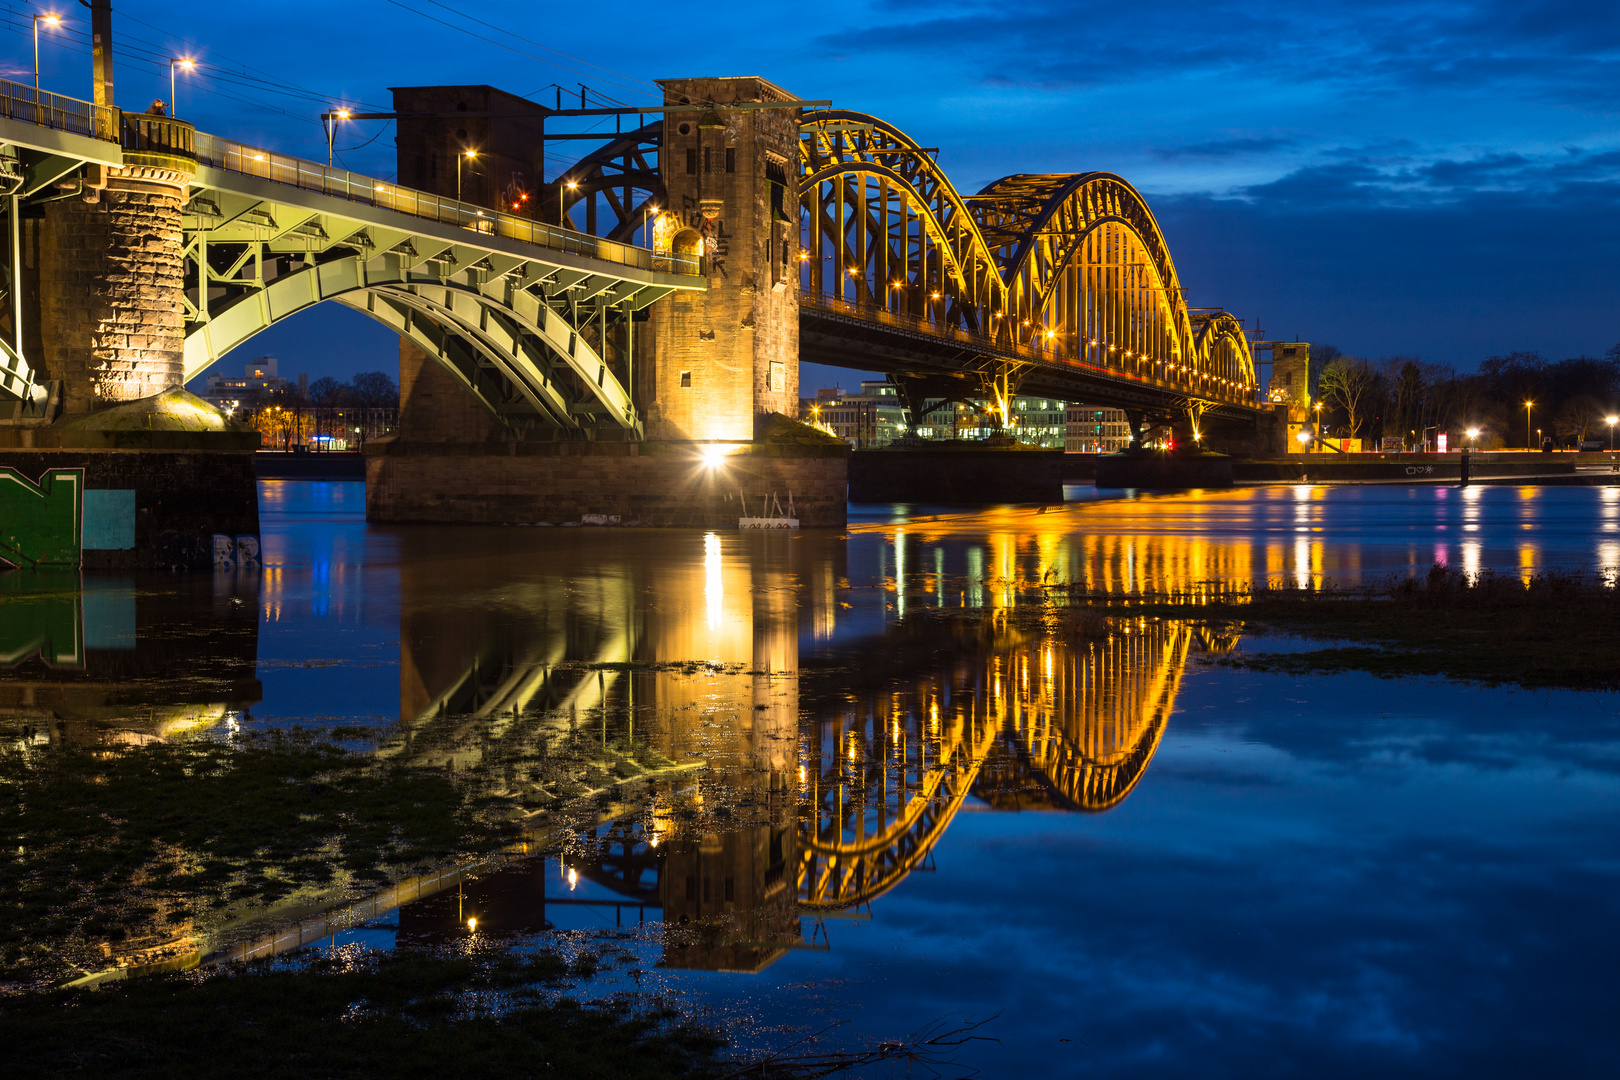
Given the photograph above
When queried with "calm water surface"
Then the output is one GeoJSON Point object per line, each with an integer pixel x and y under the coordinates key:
{"type": "Point", "coordinates": [817, 801]}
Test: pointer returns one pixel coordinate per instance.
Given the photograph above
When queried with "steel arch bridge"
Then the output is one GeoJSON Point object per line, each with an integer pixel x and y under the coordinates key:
{"type": "Point", "coordinates": [1062, 284]}
{"type": "Point", "coordinates": [1052, 284]}
{"type": "Point", "coordinates": [536, 323]}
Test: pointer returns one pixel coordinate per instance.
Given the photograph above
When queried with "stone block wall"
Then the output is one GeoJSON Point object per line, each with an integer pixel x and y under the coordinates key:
{"type": "Point", "coordinates": [110, 278]}
{"type": "Point", "coordinates": [435, 407]}
{"type": "Point", "coordinates": [654, 483]}
{"type": "Point", "coordinates": [727, 355]}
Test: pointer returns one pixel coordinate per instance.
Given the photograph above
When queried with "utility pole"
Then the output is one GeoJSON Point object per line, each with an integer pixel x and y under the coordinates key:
{"type": "Point", "coordinates": [101, 49]}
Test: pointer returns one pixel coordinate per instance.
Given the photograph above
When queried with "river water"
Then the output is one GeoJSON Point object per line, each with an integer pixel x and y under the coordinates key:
{"type": "Point", "coordinates": [860, 779]}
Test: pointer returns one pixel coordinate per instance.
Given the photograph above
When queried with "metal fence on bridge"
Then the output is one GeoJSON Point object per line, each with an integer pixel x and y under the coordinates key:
{"type": "Point", "coordinates": [47, 110]}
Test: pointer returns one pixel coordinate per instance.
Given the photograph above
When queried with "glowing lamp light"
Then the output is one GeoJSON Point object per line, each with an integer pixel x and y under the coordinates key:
{"type": "Point", "coordinates": [1473, 432]}
{"type": "Point", "coordinates": [714, 456]}
{"type": "Point", "coordinates": [472, 924]}
{"type": "Point", "coordinates": [573, 878]}
{"type": "Point", "coordinates": [1612, 420]}
{"type": "Point", "coordinates": [1303, 437]}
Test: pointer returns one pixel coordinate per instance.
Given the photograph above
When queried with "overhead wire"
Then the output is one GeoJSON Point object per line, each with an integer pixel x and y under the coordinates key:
{"type": "Point", "coordinates": [537, 44]}
{"type": "Point", "coordinates": [492, 41]}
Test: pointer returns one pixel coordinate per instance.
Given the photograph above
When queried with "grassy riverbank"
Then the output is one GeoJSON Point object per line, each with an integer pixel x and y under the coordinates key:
{"type": "Point", "coordinates": [117, 852]}
{"type": "Point", "coordinates": [373, 1014]}
{"type": "Point", "coordinates": [1555, 630]}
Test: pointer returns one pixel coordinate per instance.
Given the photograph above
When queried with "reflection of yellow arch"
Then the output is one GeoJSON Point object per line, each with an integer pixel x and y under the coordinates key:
{"type": "Point", "coordinates": [1093, 758]}
{"type": "Point", "coordinates": [1031, 260]}
{"type": "Point", "coordinates": [860, 872]}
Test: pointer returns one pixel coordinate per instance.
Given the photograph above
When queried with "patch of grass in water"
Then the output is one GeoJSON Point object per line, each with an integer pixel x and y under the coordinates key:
{"type": "Point", "coordinates": [103, 848]}
{"type": "Point", "coordinates": [385, 1014]}
{"type": "Point", "coordinates": [1554, 630]}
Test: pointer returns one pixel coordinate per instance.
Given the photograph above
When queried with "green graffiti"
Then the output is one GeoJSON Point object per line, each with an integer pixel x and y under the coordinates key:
{"type": "Point", "coordinates": [39, 525]}
{"type": "Point", "coordinates": [40, 613]}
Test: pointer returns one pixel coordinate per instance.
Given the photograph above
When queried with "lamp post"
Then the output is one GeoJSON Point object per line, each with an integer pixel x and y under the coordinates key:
{"type": "Point", "coordinates": [572, 185]}
{"type": "Point", "coordinates": [330, 122]}
{"type": "Point", "coordinates": [1612, 420]}
{"type": "Point", "coordinates": [1527, 423]}
{"type": "Point", "coordinates": [1318, 408]}
{"type": "Point", "coordinates": [178, 62]}
{"type": "Point", "coordinates": [646, 224]}
{"type": "Point", "coordinates": [1473, 437]}
{"type": "Point", "coordinates": [49, 20]}
{"type": "Point", "coordinates": [469, 155]}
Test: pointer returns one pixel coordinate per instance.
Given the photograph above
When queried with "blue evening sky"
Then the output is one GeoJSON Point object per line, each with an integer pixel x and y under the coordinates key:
{"type": "Point", "coordinates": [1427, 178]}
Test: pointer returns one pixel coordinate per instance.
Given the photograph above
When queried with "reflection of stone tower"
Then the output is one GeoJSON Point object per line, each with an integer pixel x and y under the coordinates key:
{"type": "Point", "coordinates": [731, 354]}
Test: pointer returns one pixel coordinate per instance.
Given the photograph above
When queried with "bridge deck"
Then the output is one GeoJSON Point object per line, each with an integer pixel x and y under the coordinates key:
{"type": "Point", "coordinates": [841, 333]}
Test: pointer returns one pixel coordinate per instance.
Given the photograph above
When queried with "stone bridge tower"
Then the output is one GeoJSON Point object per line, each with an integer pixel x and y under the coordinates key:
{"type": "Point", "coordinates": [731, 355]}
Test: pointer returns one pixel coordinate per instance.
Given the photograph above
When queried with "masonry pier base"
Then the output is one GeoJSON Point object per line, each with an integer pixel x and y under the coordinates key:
{"type": "Point", "coordinates": [957, 475]}
{"type": "Point", "coordinates": [653, 483]}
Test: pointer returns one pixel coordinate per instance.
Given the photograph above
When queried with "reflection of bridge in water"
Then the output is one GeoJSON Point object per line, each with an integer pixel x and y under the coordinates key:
{"type": "Point", "coordinates": [825, 786]}
{"type": "Point", "coordinates": [1049, 723]}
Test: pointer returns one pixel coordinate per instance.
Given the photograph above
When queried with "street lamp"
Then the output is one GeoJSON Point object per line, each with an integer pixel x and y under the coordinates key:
{"type": "Point", "coordinates": [573, 185]}
{"type": "Point", "coordinates": [1473, 437]}
{"type": "Point", "coordinates": [1612, 420]}
{"type": "Point", "coordinates": [1318, 408]}
{"type": "Point", "coordinates": [470, 155]}
{"type": "Point", "coordinates": [48, 20]}
{"type": "Point", "coordinates": [1527, 422]}
{"type": "Point", "coordinates": [646, 224]}
{"type": "Point", "coordinates": [330, 122]}
{"type": "Point", "coordinates": [180, 61]}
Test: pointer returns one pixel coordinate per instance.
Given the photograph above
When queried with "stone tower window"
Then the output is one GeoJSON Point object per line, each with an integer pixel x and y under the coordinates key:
{"type": "Point", "coordinates": [686, 379]}
{"type": "Point", "coordinates": [731, 159]}
{"type": "Point", "coordinates": [691, 160]}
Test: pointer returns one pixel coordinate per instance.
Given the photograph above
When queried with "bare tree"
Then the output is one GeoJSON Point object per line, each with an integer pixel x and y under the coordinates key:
{"type": "Point", "coordinates": [1347, 382]}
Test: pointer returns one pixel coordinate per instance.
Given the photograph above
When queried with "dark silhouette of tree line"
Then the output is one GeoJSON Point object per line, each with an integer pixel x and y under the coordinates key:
{"type": "Point", "coordinates": [1413, 400]}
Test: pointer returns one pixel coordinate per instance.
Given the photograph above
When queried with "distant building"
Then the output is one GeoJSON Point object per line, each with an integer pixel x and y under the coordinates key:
{"type": "Point", "coordinates": [873, 417]}
{"type": "Point", "coordinates": [259, 382]}
{"type": "Point", "coordinates": [1090, 430]}
{"type": "Point", "coordinates": [877, 416]}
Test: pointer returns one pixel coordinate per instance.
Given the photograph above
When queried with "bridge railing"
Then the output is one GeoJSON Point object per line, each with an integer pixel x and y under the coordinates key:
{"type": "Point", "coordinates": [246, 160]}
{"type": "Point", "coordinates": [1032, 351]}
{"type": "Point", "coordinates": [19, 101]}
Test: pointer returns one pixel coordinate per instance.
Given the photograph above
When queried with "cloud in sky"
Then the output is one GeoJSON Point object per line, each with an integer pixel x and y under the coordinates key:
{"type": "Point", "coordinates": [1445, 171]}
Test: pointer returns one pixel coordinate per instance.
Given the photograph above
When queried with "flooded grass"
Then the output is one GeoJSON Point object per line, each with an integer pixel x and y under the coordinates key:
{"type": "Point", "coordinates": [361, 1015]}
{"type": "Point", "coordinates": [131, 850]}
{"type": "Point", "coordinates": [1552, 630]}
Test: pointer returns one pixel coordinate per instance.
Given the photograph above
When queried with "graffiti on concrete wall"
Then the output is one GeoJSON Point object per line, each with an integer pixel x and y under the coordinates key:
{"type": "Point", "coordinates": [52, 522]}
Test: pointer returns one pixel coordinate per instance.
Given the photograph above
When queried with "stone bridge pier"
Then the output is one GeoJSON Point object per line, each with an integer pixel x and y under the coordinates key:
{"type": "Point", "coordinates": [713, 374]}
{"type": "Point", "coordinates": [118, 466]}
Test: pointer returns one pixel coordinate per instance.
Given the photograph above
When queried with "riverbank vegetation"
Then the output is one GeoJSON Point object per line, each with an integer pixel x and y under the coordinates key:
{"type": "Point", "coordinates": [1550, 630]}
{"type": "Point", "coordinates": [359, 1014]}
{"type": "Point", "coordinates": [130, 850]}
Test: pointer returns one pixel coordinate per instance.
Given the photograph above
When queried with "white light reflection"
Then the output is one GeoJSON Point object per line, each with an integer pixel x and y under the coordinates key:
{"type": "Point", "coordinates": [1302, 563]}
{"type": "Point", "coordinates": [713, 587]}
{"type": "Point", "coordinates": [1470, 556]}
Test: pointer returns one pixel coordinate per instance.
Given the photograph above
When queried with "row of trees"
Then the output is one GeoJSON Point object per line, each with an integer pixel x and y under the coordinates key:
{"type": "Point", "coordinates": [330, 415]}
{"type": "Point", "coordinates": [367, 390]}
{"type": "Point", "coordinates": [1404, 397]}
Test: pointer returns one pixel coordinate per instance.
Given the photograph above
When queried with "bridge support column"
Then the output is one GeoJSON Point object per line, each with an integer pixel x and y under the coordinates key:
{"type": "Point", "coordinates": [156, 473]}
{"type": "Point", "coordinates": [731, 354]}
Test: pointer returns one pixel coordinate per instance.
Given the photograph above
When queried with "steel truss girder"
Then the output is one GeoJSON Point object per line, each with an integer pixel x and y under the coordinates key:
{"type": "Point", "coordinates": [525, 336]}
